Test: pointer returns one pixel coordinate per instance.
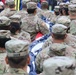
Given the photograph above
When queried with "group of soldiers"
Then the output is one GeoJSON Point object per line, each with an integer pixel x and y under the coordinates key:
{"type": "Point", "coordinates": [18, 29]}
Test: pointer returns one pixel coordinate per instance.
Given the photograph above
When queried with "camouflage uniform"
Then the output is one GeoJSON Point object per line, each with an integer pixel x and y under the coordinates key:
{"type": "Point", "coordinates": [72, 9]}
{"type": "Point", "coordinates": [48, 14]}
{"type": "Point", "coordinates": [73, 1]}
{"type": "Point", "coordinates": [59, 66]}
{"type": "Point", "coordinates": [4, 21]}
{"type": "Point", "coordinates": [58, 49]}
{"type": "Point", "coordinates": [72, 27]}
{"type": "Point", "coordinates": [22, 35]}
{"type": "Point", "coordinates": [69, 40]}
{"type": "Point", "coordinates": [32, 24]}
{"type": "Point", "coordinates": [65, 20]}
{"type": "Point", "coordinates": [16, 48]}
{"type": "Point", "coordinates": [55, 49]}
{"type": "Point", "coordinates": [9, 12]}
{"type": "Point", "coordinates": [6, 9]}
{"type": "Point", "coordinates": [3, 65]}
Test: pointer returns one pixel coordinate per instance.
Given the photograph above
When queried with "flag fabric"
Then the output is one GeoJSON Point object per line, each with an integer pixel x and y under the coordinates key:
{"type": "Point", "coordinates": [18, 4]}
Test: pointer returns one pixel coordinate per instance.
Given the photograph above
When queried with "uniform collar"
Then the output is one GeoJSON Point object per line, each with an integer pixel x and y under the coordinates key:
{"type": "Point", "coordinates": [18, 71]}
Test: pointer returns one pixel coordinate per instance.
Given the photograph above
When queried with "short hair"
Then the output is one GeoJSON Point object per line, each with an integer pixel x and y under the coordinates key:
{"type": "Point", "coordinates": [3, 41]}
{"type": "Point", "coordinates": [14, 27]}
{"type": "Point", "coordinates": [30, 11]}
{"type": "Point", "coordinates": [66, 11]}
{"type": "Point", "coordinates": [12, 6]}
{"type": "Point", "coordinates": [18, 62]}
{"type": "Point", "coordinates": [56, 13]}
{"type": "Point", "coordinates": [24, 5]}
{"type": "Point", "coordinates": [59, 36]}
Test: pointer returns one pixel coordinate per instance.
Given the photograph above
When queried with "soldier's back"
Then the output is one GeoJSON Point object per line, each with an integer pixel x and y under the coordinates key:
{"type": "Point", "coordinates": [49, 15]}
{"type": "Point", "coordinates": [5, 12]}
{"type": "Point", "coordinates": [32, 24]}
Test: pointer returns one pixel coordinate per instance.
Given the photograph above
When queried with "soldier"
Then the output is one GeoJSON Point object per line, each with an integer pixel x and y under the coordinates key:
{"type": "Point", "coordinates": [31, 23]}
{"type": "Point", "coordinates": [17, 57]}
{"type": "Point", "coordinates": [55, 49]}
{"type": "Point", "coordinates": [6, 9]}
{"type": "Point", "coordinates": [12, 10]}
{"type": "Point", "coordinates": [72, 14]}
{"type": "Point", "coordinates": [4, 37]}
{"type": "Point", "coordinates": [38, 9]}
{"type": "Point", "coordinates": [15, 28]}
{"type": "Point", "coordinates": [60, 35]}
{"type": "Point", "coordinates": [59, 66]}
{"type": "Point", "coordinates": [56, 10]}
{"type": "Point", "coordinates": [46, 13]}
{"type": "Point", "coordinates": [65, 20]}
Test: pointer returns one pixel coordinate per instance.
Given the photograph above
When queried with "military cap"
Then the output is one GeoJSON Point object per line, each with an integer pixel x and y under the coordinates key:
{"type": "Point", "coordinates": [59, 29]}
{"type": "Point", "coordinates": [72, 7]}
{"type": "Point", "coordinates": [44, 3]}
{"type": "Point", "coordinates": [16, 48]}
{"type": "Point", "coordinates": [73, 1]}
{"type": "Point", "coordinates": [57, 49]}
{"type": "Point", "coordinates": [64, 20]}
{"type": "Point", "coordinates": [31, 5]}
{"type": "Point", "coordinates": [56, 8]}
{"type": "Point", "coordinates": [10, 2]}
{"type": "Point", "coordinates": [66, 4]}
{"type": "Point", "coordinates": [61, 4]}
{"type": "Point", "coordinates": [15, 18]}
{"type": "Point", "coordinates": [59, 66]}
{"type": "Point", "coordinates": [4, 21]}
{"type": "Point", "coordinates": [4, 34]}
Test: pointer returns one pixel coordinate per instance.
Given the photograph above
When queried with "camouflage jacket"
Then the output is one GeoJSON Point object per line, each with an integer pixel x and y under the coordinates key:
{"type": "Point", "coordinates": [32, 24]}
{"type": "Point", "coordinates": [14, 71]}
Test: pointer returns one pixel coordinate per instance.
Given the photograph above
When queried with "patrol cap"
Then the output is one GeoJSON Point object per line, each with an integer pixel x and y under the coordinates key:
{"type": "Point", "coordinates": [31, 5]}
{"type": "Point", "coordinates": [59, 29]}
{"type": "Point", "coordinates": [72, 7]}
{"type": "Point", "coordinates": [57, 49]}
{"type": "Point", "coordinates": [73, 1]}
{"type": "Point", "coordinates": [16, 48]}
{"type": "Point", "coordinates": [56, 8]}
{"type": "Point", "coordinates": [4, 21]}
{"type": "Point", "coordinates": [66, 4]}
{"type": "Point", "coordinates": [44, 3]}
{"type": "Point", "coordinates": [2, 66]}
{"type": "Point", "coordinates": [11, 2]}
{"type": "Point", "coordinates": [4, 34]}
{"type": "Point", "coordinates": [64, 20]}
{"type": "Point", "coordinates": [15, 18]}
{"type": "Point", "coordinates": [25, 1]}
{"type": "Point", "coordinates": [59, 66]}
{"type": "Point", "coordinates": [61, 4]}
